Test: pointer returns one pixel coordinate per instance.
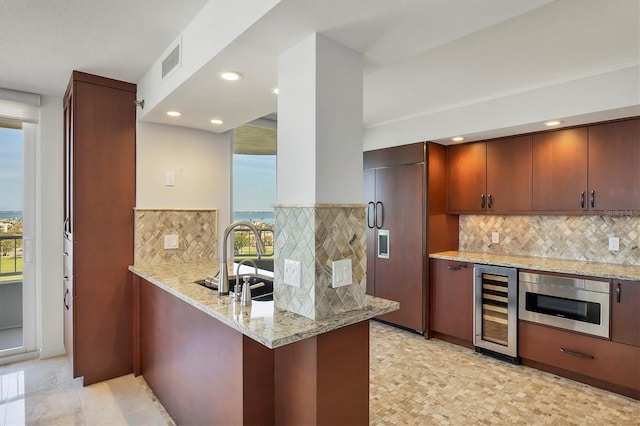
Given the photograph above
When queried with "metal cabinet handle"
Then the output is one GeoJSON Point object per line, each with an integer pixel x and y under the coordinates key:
{"type": "Point", "coordinates": [489, 201]}
{"type": "Point", "coordinates": [576, 354]}
{"type": "Point", "coordinates": [482, 201]}
{"type": "Point", "coordinates": [582, 199]}
{"type": "Point", "coordinates": [371, 218]}
{"type": "Point", "coordinates": [380, 224]}
{"type": "Point", "coordinates": [593, 198]}
{"type": "Point", "coordinates": [64, 300]}
{"type": "Point", "coordinates": [618, 293]}
{"type": "Point", "coordinates": [453, 268]}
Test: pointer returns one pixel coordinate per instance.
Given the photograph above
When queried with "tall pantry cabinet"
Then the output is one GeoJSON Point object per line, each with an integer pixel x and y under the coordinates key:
{"type": "Point", "coordinates": [405, 191]}
{"type": "Point", "coordinates": [99, 182]}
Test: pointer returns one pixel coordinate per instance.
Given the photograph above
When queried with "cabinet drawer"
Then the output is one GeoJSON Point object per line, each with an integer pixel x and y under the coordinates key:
{"type": "Point", "coordinates": [593, 357]}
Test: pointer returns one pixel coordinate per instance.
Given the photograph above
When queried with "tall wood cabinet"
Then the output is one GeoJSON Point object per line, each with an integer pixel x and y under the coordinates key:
{"type": "Point", "coordinates": [99, 154]}
{"type": "Point", "coordinates": [405, 190]}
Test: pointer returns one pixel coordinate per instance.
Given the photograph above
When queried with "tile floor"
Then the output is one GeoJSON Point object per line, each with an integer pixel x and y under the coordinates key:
{"type": "Point", "coordinates": [413, 382]}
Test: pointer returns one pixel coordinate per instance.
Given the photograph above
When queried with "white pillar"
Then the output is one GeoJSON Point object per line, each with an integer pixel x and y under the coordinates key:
{"type": "Point", "coordinates": [319, 211]}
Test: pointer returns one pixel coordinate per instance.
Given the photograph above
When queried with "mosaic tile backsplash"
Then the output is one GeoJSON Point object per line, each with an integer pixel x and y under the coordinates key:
{"type": "Point", "coordinates": [562, 237]}
{"type": "Point", "coordinates": [317, 236]}
{"type": "Point", "coordinates": [196, 230]}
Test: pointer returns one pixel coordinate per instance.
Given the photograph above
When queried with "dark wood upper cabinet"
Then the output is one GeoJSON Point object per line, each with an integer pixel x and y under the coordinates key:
{"type": "Point", "coordinates": [509, 175]}
{"type": "Point", "coordinates": [560, 170]}
{"type": "Point", "coordinates": [467, 177]}
{"type": "Point", "coordinates": [625, 312]}
{"type": "Point", "coordinates": [614, 166]}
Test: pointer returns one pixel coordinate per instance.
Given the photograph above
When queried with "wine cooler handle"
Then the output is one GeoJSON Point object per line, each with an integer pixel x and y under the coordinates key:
{"type": "Point", "coordinates": [618, 292]}
{"type": "Point", "coordinates": [576, 354]}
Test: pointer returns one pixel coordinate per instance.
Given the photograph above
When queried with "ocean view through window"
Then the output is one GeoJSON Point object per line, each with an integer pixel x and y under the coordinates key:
{"type": "Point", "coordinates": [254, 187]}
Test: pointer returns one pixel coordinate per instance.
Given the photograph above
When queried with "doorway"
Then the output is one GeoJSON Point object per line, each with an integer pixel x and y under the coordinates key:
{"type": "Point", "coordinates": [17, 283]}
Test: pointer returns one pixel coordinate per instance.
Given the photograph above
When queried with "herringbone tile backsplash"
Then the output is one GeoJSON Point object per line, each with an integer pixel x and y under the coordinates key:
{"type": "Point", "coordinates": [563, 237]}
{"type": "Point", "coordinates": [196, 231]}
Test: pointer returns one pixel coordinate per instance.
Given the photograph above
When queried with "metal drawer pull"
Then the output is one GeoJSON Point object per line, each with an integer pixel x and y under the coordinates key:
{"type": "Point", "coordinates": [489, 201]}
{"type": "Point", "coordinates": [578, 354]}
{"type": "Point", "coordinates": [482, 201]}
{"type": "Point", "coordinates": [453, 268]}
{"type": "Point", "coordinates": [582, 199]}
{"type": "Point", "coordinates": [593, 198]}
{"type": "Point", "coordinates": [64, 300]}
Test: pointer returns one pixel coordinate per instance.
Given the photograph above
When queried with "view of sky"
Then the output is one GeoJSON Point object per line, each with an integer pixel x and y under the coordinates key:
{"type": "Point", "coordinates": [10, 169]}
{"type": "Point", "coordinates": [254, 182]}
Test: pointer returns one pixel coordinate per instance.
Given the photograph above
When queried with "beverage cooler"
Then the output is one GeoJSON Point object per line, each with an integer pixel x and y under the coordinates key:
{"type": "Point", "coordinates": [495, 312]}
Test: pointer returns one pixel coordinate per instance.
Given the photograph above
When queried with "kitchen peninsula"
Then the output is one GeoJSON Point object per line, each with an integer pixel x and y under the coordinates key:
{"type": "Point", "coordinates": [210, 361]}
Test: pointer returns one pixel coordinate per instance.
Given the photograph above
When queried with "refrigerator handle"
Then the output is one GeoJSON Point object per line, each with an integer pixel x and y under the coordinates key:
{"type": "Point", "coordinates": [371, 215]}
{"type": "Point", "coordinates": [381, 223]}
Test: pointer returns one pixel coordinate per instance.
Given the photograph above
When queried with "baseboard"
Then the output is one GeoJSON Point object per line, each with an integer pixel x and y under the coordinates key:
{"type": "Point", "coordinates": [17, 358]}
{"type": "Point", "coordinates": [52, 352]}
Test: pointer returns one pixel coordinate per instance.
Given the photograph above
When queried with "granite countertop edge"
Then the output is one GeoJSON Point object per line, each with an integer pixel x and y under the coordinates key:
{"type": "Point", "coordinates": [578, 267]}
{"type": "Point", "coordinates": [282, 328]}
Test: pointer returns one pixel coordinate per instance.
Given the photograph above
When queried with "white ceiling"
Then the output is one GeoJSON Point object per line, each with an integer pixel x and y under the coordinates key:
{"type": "Point", "coordinates": [420, 56]}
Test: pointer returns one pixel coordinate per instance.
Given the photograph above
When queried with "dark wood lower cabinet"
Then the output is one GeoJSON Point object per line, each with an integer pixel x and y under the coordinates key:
{"type": "Point", "coordinates": [452, 301]}
{"type": "Point", "coordinates": [599, 362]}
{"type": "Point", "coordinates": [205, 372]}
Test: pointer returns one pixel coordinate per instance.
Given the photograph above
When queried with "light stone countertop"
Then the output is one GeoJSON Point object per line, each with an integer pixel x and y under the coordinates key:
{"type": "Point", "coordinates": [262, 321]}
{"type": "Point", "coordinates": [592, 269]}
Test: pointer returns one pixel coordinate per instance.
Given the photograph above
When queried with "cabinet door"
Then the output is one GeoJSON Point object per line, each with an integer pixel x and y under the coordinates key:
{"type": "Point", "coordinates": [400, 277]}
{"type": "Point", "coordinates": [467, 177]}
{"type": "Point", "coordinates": [614, 166]}
{"type": "Point", "coordinates": [68, 300]}
{"type": "Point", "coordinates": [625, 312]}
{"type": "Point", "coordinates": [509, 174]}
{"type": "Point", "coordinates": [369, 198]}
{"type": "Point", "coordinates": [452, 298]}
{"type": "Point", "coordinates": [560, 170]}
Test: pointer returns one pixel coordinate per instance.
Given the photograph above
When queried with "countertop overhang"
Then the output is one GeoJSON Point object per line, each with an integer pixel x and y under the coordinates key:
{"type": "Point", "coordinates": [592, 269]}
{"type": "Point", "coordinates": [262, 321]}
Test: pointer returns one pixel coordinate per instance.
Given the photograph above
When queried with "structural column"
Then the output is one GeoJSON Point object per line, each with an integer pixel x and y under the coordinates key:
{"type": "Point", "coordinates": [319, 213]}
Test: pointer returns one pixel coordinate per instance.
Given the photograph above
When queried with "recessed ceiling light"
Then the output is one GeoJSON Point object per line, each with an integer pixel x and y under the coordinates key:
{"type": "Point", "coordinates": [274, 90]}
{"type": "Point", "coordinates": [230, 75]}
{"type": "Point", "coordinates": [458, 139]}
{"type": "Point", "coordinates": [174, 114]}
{"type": "Point", "coordinates": [216, 121]}
{"type": "Point", "coordinates": [552, 123]}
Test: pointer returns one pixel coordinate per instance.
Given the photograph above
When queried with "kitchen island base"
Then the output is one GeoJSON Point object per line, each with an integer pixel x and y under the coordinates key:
{"type": "Point", "coordinates": [205, 372]}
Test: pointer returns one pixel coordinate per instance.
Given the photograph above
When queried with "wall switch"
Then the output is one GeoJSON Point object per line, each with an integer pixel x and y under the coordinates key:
{"type": "Point", "coordinates": [170, 242]}
{"type": "Point", "coordinates": [495, 237]}
{"type": "Point", "coordinates": [341, 273]}
{"type": "Point", "coordinates": [614, 243]}
{"type": "Point", "coordinates": [292, 272]}
{"type": "Point", "coordinates": [171, 179]}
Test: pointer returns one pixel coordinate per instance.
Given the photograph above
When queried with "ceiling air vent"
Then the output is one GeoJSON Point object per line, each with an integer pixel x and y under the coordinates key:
{"type": "Point", "coordinates": [171, 61]}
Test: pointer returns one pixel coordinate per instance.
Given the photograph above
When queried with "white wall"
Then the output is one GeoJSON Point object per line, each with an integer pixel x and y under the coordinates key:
{"type": "Point", "coordinates": [200, 160]}
{"type": "Point", "coordinates": [49, 212]}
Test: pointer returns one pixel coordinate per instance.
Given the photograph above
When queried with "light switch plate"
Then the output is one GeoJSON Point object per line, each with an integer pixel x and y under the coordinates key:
{"type": "Point", "coordinates": [171, 179]}
{"type": "Point", "coordinates": [495, 237]}
{"type": "Point", "coordinates": [341, 273]}
{"type": "Point", "coordinates": [292, 272]}
{"type": "Point", "coordinates": [170, 242]}
{"type": "Point", "coordinates": [614, 243]}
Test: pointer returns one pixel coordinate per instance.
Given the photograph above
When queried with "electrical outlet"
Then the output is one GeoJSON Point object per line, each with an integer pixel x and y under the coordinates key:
{"type": "Point", "coordinates": [292, 272]}
{"type": "Point", "coordinates": [495, 237]}
{"type": "Point", "coordinates": [614, 243]}
{"type": "Point", "coordinates": [170, 242]}
{"type": "Point", "coordinates": [341, 273]}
